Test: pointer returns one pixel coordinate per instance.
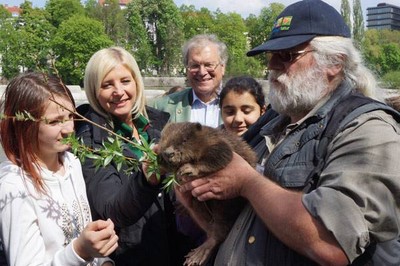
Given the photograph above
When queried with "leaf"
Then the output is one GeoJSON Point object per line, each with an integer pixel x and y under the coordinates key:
{"type": "Point", "coordinates": [169, 182]}
{"type": "Point", "coordinates": [107, 160]}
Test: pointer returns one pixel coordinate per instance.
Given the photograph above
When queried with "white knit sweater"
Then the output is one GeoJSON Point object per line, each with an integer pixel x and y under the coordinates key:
{"type": "Point", "coordinates": [38, 229]}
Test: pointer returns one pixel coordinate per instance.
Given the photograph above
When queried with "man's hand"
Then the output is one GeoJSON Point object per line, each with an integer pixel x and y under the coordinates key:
{"type": "Point", "coordinates": [227, 183]}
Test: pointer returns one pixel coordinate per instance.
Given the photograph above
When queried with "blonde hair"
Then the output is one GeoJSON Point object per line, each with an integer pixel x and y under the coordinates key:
{"type": "Point", "coordinates": [99, 65]}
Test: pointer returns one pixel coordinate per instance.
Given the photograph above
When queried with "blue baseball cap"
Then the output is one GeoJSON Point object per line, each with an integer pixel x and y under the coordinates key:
{"type": "Point", "coordinates": [301, 22]}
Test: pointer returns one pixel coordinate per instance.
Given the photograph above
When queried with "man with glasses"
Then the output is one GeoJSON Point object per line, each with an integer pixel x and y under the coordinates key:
{"type": "Point", "coordinates": [326, 190]}
{"type": "Point", "coordinates": [205, 58]}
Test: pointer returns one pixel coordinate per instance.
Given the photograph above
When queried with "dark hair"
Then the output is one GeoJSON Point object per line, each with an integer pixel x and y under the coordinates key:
{"type": "Point", "coordinates": [394, 102]}
{"type": "Point", "coordinates": [243, 84]}
{"type": "Point", "coordinates": [27, 93]}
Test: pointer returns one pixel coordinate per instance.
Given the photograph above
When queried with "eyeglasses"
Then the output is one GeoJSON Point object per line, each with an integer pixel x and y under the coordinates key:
{"type": "Point", "coordinates": [210, 67]}
{"type": "Point", "coordinates": [288, 56]}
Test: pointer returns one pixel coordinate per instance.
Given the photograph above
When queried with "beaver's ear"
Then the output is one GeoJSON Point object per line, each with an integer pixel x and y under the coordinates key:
{"type": "Point", "coordinates": [199, 126]}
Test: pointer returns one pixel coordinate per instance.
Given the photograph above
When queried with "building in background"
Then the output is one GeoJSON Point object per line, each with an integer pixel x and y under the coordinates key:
{"type": "Point", "coordinates": [383, 16]}
{"type": "Point", "coordinates": [14, 10]}
{"type": "Point", "coordinates": [122, 3]}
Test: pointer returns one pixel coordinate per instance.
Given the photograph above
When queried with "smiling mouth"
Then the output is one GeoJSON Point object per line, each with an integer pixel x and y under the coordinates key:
{"type": "Point", "coordinates": [119, 102]}
{"type": "Point", "coordinates": [204, 80]}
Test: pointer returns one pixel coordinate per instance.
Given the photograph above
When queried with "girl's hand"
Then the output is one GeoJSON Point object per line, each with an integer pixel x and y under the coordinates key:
{"type": "Point", "coordinates": [98, 239]}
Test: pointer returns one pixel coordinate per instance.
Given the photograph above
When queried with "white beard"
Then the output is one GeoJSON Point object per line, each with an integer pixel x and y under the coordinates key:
{"type": "Point", "coordinates": [298, 94]}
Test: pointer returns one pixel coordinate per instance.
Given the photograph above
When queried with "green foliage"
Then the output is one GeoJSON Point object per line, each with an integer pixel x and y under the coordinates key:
{"type": "Point", "coordinates": [112, 152]}
{"type": "Point", "coordinates": [24, 41]}
{"type": "Point", "coordinates": [61, 10]}
{"type": "Point", "coordinates": [345, 11]}
{"type": "Point", "coordinates": [4, 13]}
{"type": "Point", "coordinates": [231, 29]}
{"type": "Point", "coordinates": [164, 25]}
{"type": "Point", "coordinates": [138, 41]}
{"type": "Point", "coordinates": [259, 30]}
{"type": "Point", "coordinates": [196, 21]}
{"type": "Point", "coordinates": [36, 31]}
{"type": "Point", "coordinates": [154, 32]}
{"type": "Point", "coordinates": [358, 23]}
{"type": "Point", "coordinates": [9, 44]}
{"type": "Point", "coordinates": [390, 57]}
{"type": "Point", "coordinates": [381, 49]}
{"type": "Point", "coordinates": [392, 80]}
{"type": "Point", "coordinates": [74, 43]}
{"type": "Point", "coordinates": [113, 19]}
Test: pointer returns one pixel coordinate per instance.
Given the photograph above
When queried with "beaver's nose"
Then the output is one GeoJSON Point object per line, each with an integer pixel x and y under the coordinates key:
{"type": "Point", "coordinates": [168, 153]}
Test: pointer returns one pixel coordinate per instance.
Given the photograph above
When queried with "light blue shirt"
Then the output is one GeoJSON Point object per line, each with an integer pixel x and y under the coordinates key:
{"type": "Point", "coordinates": [205, 113]}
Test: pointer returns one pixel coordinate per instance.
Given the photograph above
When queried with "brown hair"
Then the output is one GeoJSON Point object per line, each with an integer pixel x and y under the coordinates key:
{"type": "Point", "coordinates": [27, 93]}
{"type": "Point", "coordinates": [394, 101]}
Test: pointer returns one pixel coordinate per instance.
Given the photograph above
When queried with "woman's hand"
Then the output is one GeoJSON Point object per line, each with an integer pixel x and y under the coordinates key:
{"type": "Point", "coordinates": [98, 239]}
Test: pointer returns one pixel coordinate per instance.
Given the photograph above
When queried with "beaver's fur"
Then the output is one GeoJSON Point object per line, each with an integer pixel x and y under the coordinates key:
{"type": "Point", "coordinates": [193, 150]}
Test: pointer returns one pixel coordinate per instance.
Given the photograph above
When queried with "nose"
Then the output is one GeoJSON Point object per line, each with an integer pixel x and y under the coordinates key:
{"type": "Point", "coordinates": [167, 154]}
{"type": "Point", "coordinates": [202, 70]}
{"type": "Point", "coordinates": [238, 117]}
{"type": "Point", "coordinates": [67, 127]}
{"type": "Point", "coordinates": [118, 89]}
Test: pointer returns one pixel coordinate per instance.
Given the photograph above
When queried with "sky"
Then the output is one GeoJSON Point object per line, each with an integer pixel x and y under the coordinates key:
{"type": "Point", "coordinates": [243, 7]}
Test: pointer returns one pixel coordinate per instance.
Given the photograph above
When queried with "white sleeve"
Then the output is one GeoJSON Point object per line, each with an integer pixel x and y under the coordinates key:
{"type": "Point", "coordinates": [20, 232]}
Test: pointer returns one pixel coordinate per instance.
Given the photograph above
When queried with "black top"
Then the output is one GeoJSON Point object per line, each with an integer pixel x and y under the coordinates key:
{"type": "Point", "coordinates": [143, 214]}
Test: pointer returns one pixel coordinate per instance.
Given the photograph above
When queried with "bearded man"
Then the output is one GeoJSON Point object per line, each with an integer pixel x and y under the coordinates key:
{"type": "Point", "coordinates": [326, 190]}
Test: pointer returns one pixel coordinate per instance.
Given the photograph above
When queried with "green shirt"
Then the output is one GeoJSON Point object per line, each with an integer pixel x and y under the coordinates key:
{"type": "Point", "coordinates": [123, 129]}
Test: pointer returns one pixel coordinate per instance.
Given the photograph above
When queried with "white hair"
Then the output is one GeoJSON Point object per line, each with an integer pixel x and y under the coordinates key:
{"type": "Point", "coordinates": [336, 50]}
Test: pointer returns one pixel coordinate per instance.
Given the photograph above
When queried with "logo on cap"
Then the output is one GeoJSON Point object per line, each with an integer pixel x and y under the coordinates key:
{"type": "Point", "coordinates": [282, 23]}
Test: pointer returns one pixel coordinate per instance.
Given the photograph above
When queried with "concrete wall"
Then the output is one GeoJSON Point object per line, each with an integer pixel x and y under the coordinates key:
{"type": "Point", "coordinates": [154, 86]}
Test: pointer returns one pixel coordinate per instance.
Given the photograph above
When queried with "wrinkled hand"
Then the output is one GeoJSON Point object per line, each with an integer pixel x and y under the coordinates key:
{"type": "Point", "coordinates": [98, 239]}
{"type": "Point", "coordinates": [225, 184]}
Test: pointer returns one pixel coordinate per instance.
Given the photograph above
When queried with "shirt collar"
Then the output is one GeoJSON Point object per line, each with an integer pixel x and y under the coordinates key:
{"type": "Point", "coordinates": [215, 100]}
{"type": "Point", "coordinates": [125, 130]}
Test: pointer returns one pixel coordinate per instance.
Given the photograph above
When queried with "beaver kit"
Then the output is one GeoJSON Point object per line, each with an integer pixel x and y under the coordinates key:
{"type": "Point", "coordinates": [193, 150]}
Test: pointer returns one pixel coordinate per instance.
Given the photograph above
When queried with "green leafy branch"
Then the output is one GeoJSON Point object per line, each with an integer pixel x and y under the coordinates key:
{"type": "Point", "coordinates": [111, 150]}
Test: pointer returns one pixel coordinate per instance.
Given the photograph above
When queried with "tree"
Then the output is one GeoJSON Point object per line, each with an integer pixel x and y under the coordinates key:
{"type": "Point", "coordinates": [4, 13]}
{"type": "Point", "coordinates": [231, 29]}
{"type": "Point", "coordinates": [164, 25]}
{"type": "Point", "coordinates": [74, 43]}
{"type": "Point", "coordinates": [10, 60]}
{"type": "Point", "coordinates": [62, 10]}
{"type": "Point", "coordinates": [358, 23]}
{"type": "Point", "coordinates": [6, 35]}
{"type": "Point", "coordinates": [138, 42]}
{"type": "Point", "coordinates": [345, 11]}
{"type": "Point", "coordinates": [25, 41]}
{"type": "Point", "coordinates": [36, 33]}
{"type": "Point", "coordinates": [381, 50]}
{"type": "Point", "coordinates": [113, 18]}
{"type": "Point", "coordinates": [260, 28]}
{"type": "Point", "coordinates": [196, 21]}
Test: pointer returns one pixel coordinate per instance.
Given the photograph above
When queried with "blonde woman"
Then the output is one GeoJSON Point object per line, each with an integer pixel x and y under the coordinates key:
{"type": "Point", "coordinates": [142, 212]}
